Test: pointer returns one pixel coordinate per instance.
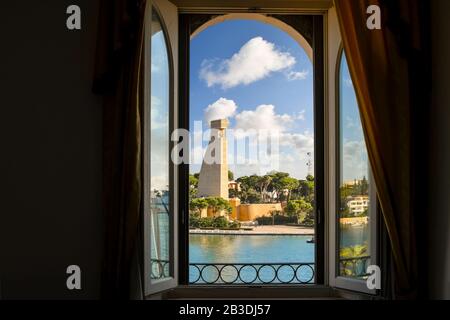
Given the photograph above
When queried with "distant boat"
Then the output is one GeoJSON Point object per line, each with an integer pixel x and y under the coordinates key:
{"type": "Point", "coordinates": [312, 240]}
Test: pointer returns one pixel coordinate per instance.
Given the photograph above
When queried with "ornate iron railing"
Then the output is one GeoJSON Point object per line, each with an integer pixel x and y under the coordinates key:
{"type": "Point", "coordinates": [354, 267]}
{"type": "Point", "coordinates": [160, 269]}
{"type": "Point", "coordinates": [251, 273]}
{"type": "Point", "coordinates": [259, 273]}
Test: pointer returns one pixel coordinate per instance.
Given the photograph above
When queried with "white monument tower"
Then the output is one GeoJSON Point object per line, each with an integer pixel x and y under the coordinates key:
{"type": "Point", "coordinates": [213, 181]}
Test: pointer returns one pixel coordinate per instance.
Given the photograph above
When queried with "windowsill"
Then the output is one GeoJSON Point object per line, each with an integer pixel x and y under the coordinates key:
{"type": "Point", "coordinates": [235, 292]}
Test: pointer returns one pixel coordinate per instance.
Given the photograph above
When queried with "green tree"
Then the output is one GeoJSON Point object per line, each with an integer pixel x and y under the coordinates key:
{"type": "Point", "coordinates": [306, 190]}
{"type": "Point", "coordinates": [244, 183]}
{"type": "Point", "coordinates": [289, 184]}
{"type": "Point", "coordinates": [298, 208]}
{"type": "Point", "coordinates": [193, 181]}
{"type": "Point", "coordinates": [205, 222]}
{"type": "Point", "coordinates": [364, 186]}
{"type": "Point", "coordinates": [353, 251]}
{"type": "Point", "coordinates": [243, 186]}
{"type": "Point", "coordinates": [253, 182]}
{"type": "Point", "coordinates": [346, 192]}
{"type": "Point", "coordinates": [249, 187]}
{"type": "Point", "coordinates": [345, 212]}
{"type": "Point", "coordinates": [193, 186]}
{"type": "Point", "coordinates": [217, 204]}
{"type": "Point", "coordinates": [273, 214]}
{"type": "Point", "coordinates": [232, 193]}
{"type": "Point", "coordinates": [252, 196]}
{"type": "Point", "coordinates": [276, 185]}
{"type": "Point", "coordinates": [230, 175]}
{"type": "Point", "coordinates": [220, 222]}
{"type": "Point", "coordinates": [263, 186]}
{"type": "Point", "coordinates": [197, 205]}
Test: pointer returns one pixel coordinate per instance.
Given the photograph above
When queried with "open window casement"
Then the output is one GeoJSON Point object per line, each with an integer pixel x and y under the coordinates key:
{"type": "Point", "coordinates": [165, 267]}
{"type": "Point", "coordinates": [160, 119]}
{"type": "Point", "coordinates": [351, 192]}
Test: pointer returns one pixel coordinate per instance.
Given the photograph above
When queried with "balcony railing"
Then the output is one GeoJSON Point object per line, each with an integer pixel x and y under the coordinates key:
{"type": "Point", "coordinates": [259, 273]}
{"type": "Point", "coordinates": [251, 273]}
{"type": "Point", "coordinates": [354, 267]}
{"type": "Point", "coordinates": [160, 269]}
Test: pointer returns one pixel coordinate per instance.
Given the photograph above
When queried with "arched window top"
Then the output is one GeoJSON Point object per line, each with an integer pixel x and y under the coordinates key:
{"type": "Point", "coordinates": [261, 18]}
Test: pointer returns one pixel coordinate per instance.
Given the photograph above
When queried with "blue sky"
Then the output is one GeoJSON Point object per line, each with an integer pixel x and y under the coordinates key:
{"type": "Point", "coordinates": [283, 90]}
{"type": "Point", "coordinates": [354, 161]}
{"type": "Point", "coordinates": [225, 39]}
{"type": "Point", "coordinates": [160, 129]}
{"type": "Point", "coordinates": [258, 77]}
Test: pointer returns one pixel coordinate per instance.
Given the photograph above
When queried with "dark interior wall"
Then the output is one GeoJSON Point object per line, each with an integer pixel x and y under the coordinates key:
{"type": "Point", "coordinates": [50, 133]}
{"type": "Point", "coordinates": [439, 206]}
{"type": "Point", "coordinates": [50, 152]}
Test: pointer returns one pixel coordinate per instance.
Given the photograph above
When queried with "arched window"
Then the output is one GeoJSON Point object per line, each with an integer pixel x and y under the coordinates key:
{"type": "Point", "coordinates": [355, 213]}
{"type": "Point", "coordinates": [256, 79]}
{"type": "Point", "coordinates": [212, 67]}
{"type": "Point", "coordinates": [159, 155]}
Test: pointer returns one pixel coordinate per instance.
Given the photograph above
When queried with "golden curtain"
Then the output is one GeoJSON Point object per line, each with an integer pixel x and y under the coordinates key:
{"type": "Point", "coordinates": [383, 67]}
{"type": "Point", "coordinates": [118, 78]}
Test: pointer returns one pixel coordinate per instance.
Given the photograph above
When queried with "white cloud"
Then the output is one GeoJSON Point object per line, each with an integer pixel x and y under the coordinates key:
{"type": "Point", "coordinates": [302, 142]}
{"type": "Point", "coordinates": [348, 82]}
{"type": "Point", "coordinates": [256, 60]}
{"type": "Point", "coordinates": [355, 160]}
{"type": "Point", "coordinates": [301, 115]}
{"type": "Point", "coordinates": [221, 109]}
{"type": "Point", "coordinates": [263, 118]}
{"type": "Point", "coordinates": [295, 163]}
{"type": "Point", "coordinates": [160, 150]}
{"type": "Point", "coordinates": [349, 123]}
{"type": "Point", "coordinates": [294, 147]}
{"type": "Point", "coordinates": [289, 155]}
{"type": "Point", "coordinates": [159, 183]}
{"type": "Point", "coordinates": [159, 118]}
{"type": "Point", "coordinates": [297, 75]}
{"type": "Point", "coordinates": [290, 161]}
{"type": "Point", "coordinates": [154, 68]}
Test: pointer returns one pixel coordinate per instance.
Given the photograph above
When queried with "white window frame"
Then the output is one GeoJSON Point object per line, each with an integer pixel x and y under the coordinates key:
{"type": "Point", "coordinates": [334, 53]}
{"type": "Point", "coordinates": [168, 14]}
{"type": "Point", "coordinates": [332, 45]}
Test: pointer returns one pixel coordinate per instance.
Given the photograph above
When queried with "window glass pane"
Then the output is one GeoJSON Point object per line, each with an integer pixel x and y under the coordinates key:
{"type": "Point", "coordinates": [252, 212]}
{"type": "Point", "coordinates": [353, 202]}
{"type": "Point", "coordinates": [159, 154]}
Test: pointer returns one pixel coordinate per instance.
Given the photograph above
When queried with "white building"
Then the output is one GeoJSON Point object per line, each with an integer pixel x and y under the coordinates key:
{"type": "Point", "coordinates": [358, 205]}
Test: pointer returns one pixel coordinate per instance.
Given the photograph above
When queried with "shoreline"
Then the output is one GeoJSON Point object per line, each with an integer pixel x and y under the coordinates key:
{"type": "Point", "coordinates": [260, 231]}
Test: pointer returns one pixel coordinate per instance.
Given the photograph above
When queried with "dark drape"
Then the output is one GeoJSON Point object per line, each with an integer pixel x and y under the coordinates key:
{"type": "Point", "coordinates": [388, 67]}
{"type": "Point", "coordinates": [118, 79]}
